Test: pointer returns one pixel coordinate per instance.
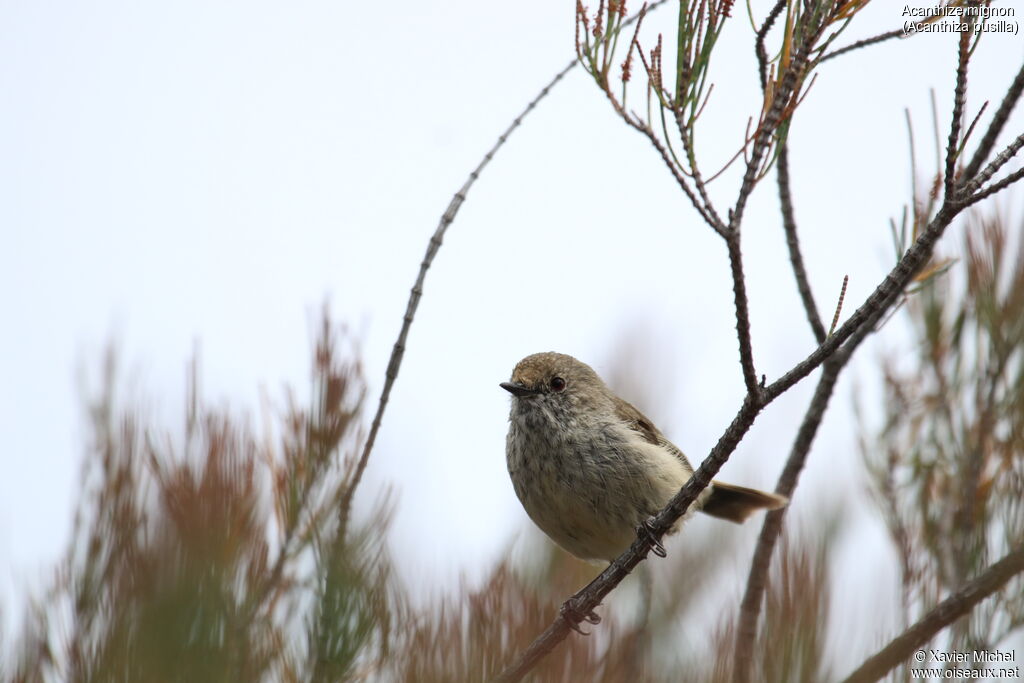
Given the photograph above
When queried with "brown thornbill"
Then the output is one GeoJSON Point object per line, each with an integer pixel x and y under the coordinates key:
{"type": "Point", "coordinates": [590, 469]}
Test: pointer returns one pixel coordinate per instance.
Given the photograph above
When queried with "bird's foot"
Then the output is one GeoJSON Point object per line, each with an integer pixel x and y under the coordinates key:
{"type": "Point", "coordinates": [574, 616]}
{"type": "Point", "coordinates": [646, 531]}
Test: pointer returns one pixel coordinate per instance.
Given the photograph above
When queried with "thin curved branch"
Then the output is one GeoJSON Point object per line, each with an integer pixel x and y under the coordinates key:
{"type": "Point", "coordinates": [762, 34]}
{"type": "Point", "coordinates": [750, 608]}
{"type": "Point", "coordinates": [398, 351]}
{"type": "Point", "coordinates": [998, 162]}
{"type": "Point", "coordinates": [900, 649]}
{"type": "Point", "coordinates": [796, 258]}
{"type": "Point", "coordinates": [995, 127]}
{"type": "Point", "coordinates": [762, 142]}
{"type": "Point", "coordinates": [740, 303]}
{"type": "Point", "coordinates": [995, 187]}
{"type": "Point", "coordinates": [766, 130]}
{"type": "Point", "coordinates": [698, 178]}
{"type": "Point", "coordinates": [880, 38]}
{"type": "Point", "coordinates": [959, 102]}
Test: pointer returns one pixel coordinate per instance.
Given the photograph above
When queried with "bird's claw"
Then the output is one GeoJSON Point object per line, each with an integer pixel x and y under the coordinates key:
{"type": "Point", "coordinates": [646, 531]}
{"type": "Point", "coordinates": [573, 616]}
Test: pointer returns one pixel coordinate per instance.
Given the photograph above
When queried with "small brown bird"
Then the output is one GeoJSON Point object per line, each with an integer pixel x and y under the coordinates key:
{"type": "Point", "coordinates": [590, 469]}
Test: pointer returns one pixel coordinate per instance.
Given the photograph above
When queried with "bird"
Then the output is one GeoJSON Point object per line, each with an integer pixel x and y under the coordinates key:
{"type": "Point", "coordinates": [591, 470]}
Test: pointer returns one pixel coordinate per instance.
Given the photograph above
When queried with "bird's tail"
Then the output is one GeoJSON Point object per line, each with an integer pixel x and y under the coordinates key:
{"type": "Point", "coordinates": [736, 503]}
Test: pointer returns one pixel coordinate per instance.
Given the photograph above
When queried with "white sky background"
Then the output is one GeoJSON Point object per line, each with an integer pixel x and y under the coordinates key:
{"type": "Point", "coordinates": [208, 173]}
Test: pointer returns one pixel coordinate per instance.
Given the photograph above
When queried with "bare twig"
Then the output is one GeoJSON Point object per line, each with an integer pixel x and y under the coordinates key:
{"type": "Point", "coordinates": [994, 188]}
{"type": "Point", "coordinates": [881, 38]}
{"type": "Point", "coordinates": [768, 128]}
{"type": "Point", "coordinates": [970, 128]}
{"type": "Point", "coordinates": [839, 305]}
{"type": "Point", "coordinates": [698, 180]}
{"type": "Point", "coordinates": [959, 101]}
{"type": "Point", "coordinates": [995, 127]}
{"type": "Point", "coordinates": [762, 34]}
{"type": "Point", "coordinates": [796, 258]}
{"type": "Point", "coordinates": [395, 362]}
{"type": "Point", "coordinates": [949, 610]}
{"type": "Point", "coordinates": [739, 290]}
{"type": "Point", "coordinates": [750, 608]}
{"type": "Point", "coordinates": [998, 162]}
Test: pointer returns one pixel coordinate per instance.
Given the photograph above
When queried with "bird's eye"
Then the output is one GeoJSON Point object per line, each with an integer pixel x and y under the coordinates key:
{"type": "Point", "coordinates": [557, 383]}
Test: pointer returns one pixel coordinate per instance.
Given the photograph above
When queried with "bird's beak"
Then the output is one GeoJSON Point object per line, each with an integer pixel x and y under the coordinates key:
{"type": "Point", "coordinates": [517, 389]}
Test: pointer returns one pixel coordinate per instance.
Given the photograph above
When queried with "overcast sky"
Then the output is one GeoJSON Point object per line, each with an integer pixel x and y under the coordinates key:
{"type": "Point", "coordinates": [206, 174]}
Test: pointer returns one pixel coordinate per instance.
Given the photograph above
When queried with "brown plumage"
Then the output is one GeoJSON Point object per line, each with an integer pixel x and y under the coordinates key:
{"type": "Point", "coordinates": [727, 501]}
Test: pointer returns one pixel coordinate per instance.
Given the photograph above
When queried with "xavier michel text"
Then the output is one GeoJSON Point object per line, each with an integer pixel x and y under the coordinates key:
{"type": "Point", "coordinates": [974, 656]}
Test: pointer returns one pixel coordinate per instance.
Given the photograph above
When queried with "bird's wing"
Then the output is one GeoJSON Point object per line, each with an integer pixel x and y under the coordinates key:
{"type": "Point", "coordinates": [636, 421]}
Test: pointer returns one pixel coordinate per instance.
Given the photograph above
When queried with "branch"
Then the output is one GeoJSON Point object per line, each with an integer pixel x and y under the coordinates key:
{"type": "Point", "coordinates": [395, 362]}
{"type": "Point", "coordinates": [739, 290]}
{"type": "Point", "coordinates": [839, 305]}
{"type": "Point", "coordinates": [997, 163]}
{"type": "Point", "coordinates": [750, 608]}
{"type": "Point", "coordinates": [698, 179]}
{"type": "Point", "coordinates": [881, 38]}
{"type": "Point", "coordinates": [762, 33]}
{"type": "Point", "coordinates": [999, 120]}
{"type": "Point", "coordinates": [949, 610]}
{"type": "Point", "coordinates": [783, 102]}
{"type": "Point", "coordinates": [768, 128]}
{"type": "Point", "coordinates": [796, 259]}
{"type": "Point", "coordinates": [959, 97]}
{"type": "Point", "coordinates": [995, 187]}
